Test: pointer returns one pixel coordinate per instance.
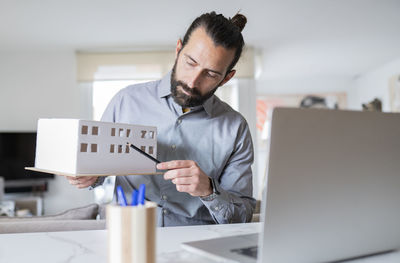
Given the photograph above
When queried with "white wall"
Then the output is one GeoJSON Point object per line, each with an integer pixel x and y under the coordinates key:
{"type": "Point", "coordinates": [375, 84]}
{"type": "Point", "coordinates": [360, 89]}
{"type": "Point", "coordinates": [37, 84]}
{"type": "Point", "coordinates": [34, 85]}
{"type": "Point", "coordinates": [247, 102]}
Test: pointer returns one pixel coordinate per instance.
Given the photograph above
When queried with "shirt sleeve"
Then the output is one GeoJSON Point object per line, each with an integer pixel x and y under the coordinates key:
{"type": "Point", "coordinates": [234, 203]}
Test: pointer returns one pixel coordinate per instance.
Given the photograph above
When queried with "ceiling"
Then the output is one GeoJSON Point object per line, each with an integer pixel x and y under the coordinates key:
{"type": "Point", "coordinates": [323, 37]}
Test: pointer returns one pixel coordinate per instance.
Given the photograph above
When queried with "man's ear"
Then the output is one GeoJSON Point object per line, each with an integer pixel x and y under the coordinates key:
{"type": "Point", "coordinates": [228, 77]}
{"type": "Point", "coordinates": [178, 47]}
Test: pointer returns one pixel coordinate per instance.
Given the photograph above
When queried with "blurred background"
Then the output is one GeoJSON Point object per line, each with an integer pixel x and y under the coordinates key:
{"type": "Point", "coordinates": [66, 59]}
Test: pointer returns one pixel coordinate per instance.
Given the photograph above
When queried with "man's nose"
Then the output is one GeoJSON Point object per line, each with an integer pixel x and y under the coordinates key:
{"type": "Point", "coordinates": [194, 79]}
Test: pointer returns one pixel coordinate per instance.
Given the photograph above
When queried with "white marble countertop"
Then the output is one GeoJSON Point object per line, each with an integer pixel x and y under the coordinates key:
{"type": "Point", "coordinates": [91, 246]}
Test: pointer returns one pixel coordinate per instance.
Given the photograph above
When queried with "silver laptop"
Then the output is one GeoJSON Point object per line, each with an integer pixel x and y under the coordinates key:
{"type": "Point", "coordinates": [333, 190]}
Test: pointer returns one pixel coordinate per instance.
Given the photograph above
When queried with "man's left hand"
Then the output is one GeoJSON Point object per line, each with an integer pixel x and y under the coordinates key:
{"type": "Point", "coordinates": [187, 176]}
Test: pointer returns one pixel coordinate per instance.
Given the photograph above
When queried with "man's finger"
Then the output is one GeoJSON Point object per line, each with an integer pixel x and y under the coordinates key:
{"type": "Point", "coordinates": [81, 181]}
{"type": "Point", "coordinates": [84, 185]}
{"type": "Point", "coordinates": [73, 181]}
{"type": "Point", "coordinates": [187, 188]}
{"type": "Point", "coordinates": [171, 174]}
{"type": "Point", "coordinates": [176, 164]}
{"type": "Point", "coordinates": [84, 179]}
{"type": "Point", "coordinates": [70, 178]}
{"type": "Point", "coordinates": [183, 180]}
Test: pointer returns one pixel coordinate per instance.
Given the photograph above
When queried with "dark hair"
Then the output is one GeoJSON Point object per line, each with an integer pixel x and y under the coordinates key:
{"type": "Point", "coordinates": [224, 32]}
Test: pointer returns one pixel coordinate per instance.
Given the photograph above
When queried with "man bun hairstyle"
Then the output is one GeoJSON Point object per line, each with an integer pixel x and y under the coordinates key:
{"type": "Point", "coordinates": [239, 20]}
{"type": "Point", "coordinates": [225, 32]}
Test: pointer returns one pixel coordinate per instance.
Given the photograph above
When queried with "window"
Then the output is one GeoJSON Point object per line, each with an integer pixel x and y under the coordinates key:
{"type": "Point", "coordinates": [112, 148]}
{"type": "Point", "coordinates": [112, 131]}
{"type": "Point", "coordinates": [93, 148]}
{"type": "Point", "coordinates": [84, 147]}
{"type": "Point", "coordinates": [84, 129]}
{"type": "Point", "coordinates": [95, 130]}
{"type": "Point", "coordinates": [103, 91]}
{"type": "Point", "coordinates": [229, 93]}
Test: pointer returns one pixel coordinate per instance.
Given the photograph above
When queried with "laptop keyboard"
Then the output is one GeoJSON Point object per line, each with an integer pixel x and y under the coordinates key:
{"type": "Point", "coordinates": [248, 251]}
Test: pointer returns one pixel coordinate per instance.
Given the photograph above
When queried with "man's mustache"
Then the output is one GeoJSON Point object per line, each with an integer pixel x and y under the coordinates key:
{"type": "Point", "coordinates": [186, 88]}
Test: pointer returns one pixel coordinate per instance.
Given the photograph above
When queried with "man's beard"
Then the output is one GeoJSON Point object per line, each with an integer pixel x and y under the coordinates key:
{"type": "Point", "coordinates": [187, 101]}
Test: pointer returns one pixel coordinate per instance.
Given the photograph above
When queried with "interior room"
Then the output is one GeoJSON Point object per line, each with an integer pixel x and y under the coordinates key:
{"type": "Point", "coordinates": [67, 59]}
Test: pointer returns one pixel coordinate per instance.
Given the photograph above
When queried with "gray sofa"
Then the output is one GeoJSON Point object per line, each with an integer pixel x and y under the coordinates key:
{"type": "Point", "coordinates": [81, 218]}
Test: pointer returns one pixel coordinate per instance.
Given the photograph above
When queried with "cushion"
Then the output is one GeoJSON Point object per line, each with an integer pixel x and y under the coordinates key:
{"type": "Point", "coordinates": [25, 226]}
{"type": "Point", "coordinates": [79, 213]}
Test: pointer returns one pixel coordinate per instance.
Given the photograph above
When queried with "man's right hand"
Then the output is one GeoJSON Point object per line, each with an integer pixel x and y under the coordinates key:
{"type": "Point", "coordinates": [81, 181]}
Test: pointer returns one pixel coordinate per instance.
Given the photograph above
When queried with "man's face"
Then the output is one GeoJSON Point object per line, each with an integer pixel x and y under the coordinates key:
{"type": "Point", "coordinates": [200, 68]}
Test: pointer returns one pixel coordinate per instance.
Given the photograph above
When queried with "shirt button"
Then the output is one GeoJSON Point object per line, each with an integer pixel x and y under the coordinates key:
{"type": "Point", "coordinates": [165, 211]}
{"type": "Point", "coordinates": [164, 197]}
{"type": "Point", "coordinates": [173, 146]}
{"type": "Point", "coordinates": [179, 121]}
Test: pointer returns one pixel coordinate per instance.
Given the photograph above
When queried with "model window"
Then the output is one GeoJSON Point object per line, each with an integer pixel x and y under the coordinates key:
{"type": "Point", "coordinates": [121, 132]}
{"type": "Point", "coordinates": [127, 148]}
{"type": "Point", "coordinates": [112, 131]}
{"type": "Point", "coordinates": [151, 149]}
{"type": "Point", "coordinates": [84, 129]}
{"type": "Point", "coordinates": [95, 130]}
{"type": "Point", "coordinates": [93, 148]}
{"type": "Point", "coordinates": [112, 148]}
{"type": "Point", "coordinates": [143, 134]}
{"type": "Point", "coordinates": [84, 147]}
{"type": "Point", "coordinates": [128, 132]}
{"type": "Point", "coordinates": [151, 134]}
{"type": "Point", "coordinates": [119, 148]}
{"type": "Point", "coordinates": [143, 148]}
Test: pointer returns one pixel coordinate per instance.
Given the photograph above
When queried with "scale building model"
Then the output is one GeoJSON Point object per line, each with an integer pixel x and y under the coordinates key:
{"type": "Point", "coordinates": [79, 147]}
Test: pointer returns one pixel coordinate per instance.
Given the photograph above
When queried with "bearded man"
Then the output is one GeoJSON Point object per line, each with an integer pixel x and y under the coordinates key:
{"type": "Point", "coordinates": [205, 145]}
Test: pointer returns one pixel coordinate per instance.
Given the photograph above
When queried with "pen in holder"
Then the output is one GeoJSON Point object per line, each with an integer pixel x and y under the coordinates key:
{"type": "Point", "coordinates": [132, 233]}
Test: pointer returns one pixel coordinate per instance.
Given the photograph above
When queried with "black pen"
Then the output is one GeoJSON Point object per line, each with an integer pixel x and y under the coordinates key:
{"type": "Point", "coordinates": [144, 153]}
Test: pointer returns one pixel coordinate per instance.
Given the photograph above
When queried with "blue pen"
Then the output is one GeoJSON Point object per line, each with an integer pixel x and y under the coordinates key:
{"type": "Point", "coordinates": [135, 194]}
{"type": "Point", "coordinates": [142, 192]}
{"type": "Point", "coordinates": [121, 196]}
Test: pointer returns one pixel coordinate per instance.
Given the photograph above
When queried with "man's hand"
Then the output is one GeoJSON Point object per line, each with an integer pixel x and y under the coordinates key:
{"type": "Point", "coordinates": [187, 176]}
{"type": "Point", "coordinates": [81, 181]}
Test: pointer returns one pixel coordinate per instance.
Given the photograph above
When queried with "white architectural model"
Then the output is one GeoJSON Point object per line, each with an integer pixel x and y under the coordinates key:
{"type": "Point", "coordinates": [80, 147]}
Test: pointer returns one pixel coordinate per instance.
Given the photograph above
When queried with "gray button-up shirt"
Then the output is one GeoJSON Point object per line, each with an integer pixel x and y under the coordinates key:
{"type": "Point", "coordinates": [213, 135]}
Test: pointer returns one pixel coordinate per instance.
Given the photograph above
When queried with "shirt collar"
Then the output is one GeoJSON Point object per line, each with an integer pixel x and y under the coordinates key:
{"type": "Point", "coordinates": [164, 90]}
{"type": "Point", "coordinates": [208, 105]}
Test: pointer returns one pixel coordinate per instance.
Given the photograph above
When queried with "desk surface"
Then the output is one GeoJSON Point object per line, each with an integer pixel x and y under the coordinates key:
{"type": "Point", "coordinates": [91, 246]}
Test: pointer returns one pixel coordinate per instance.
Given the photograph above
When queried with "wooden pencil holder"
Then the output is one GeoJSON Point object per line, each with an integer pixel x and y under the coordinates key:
{"type": "Point", "coordinates": [132, 233]}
